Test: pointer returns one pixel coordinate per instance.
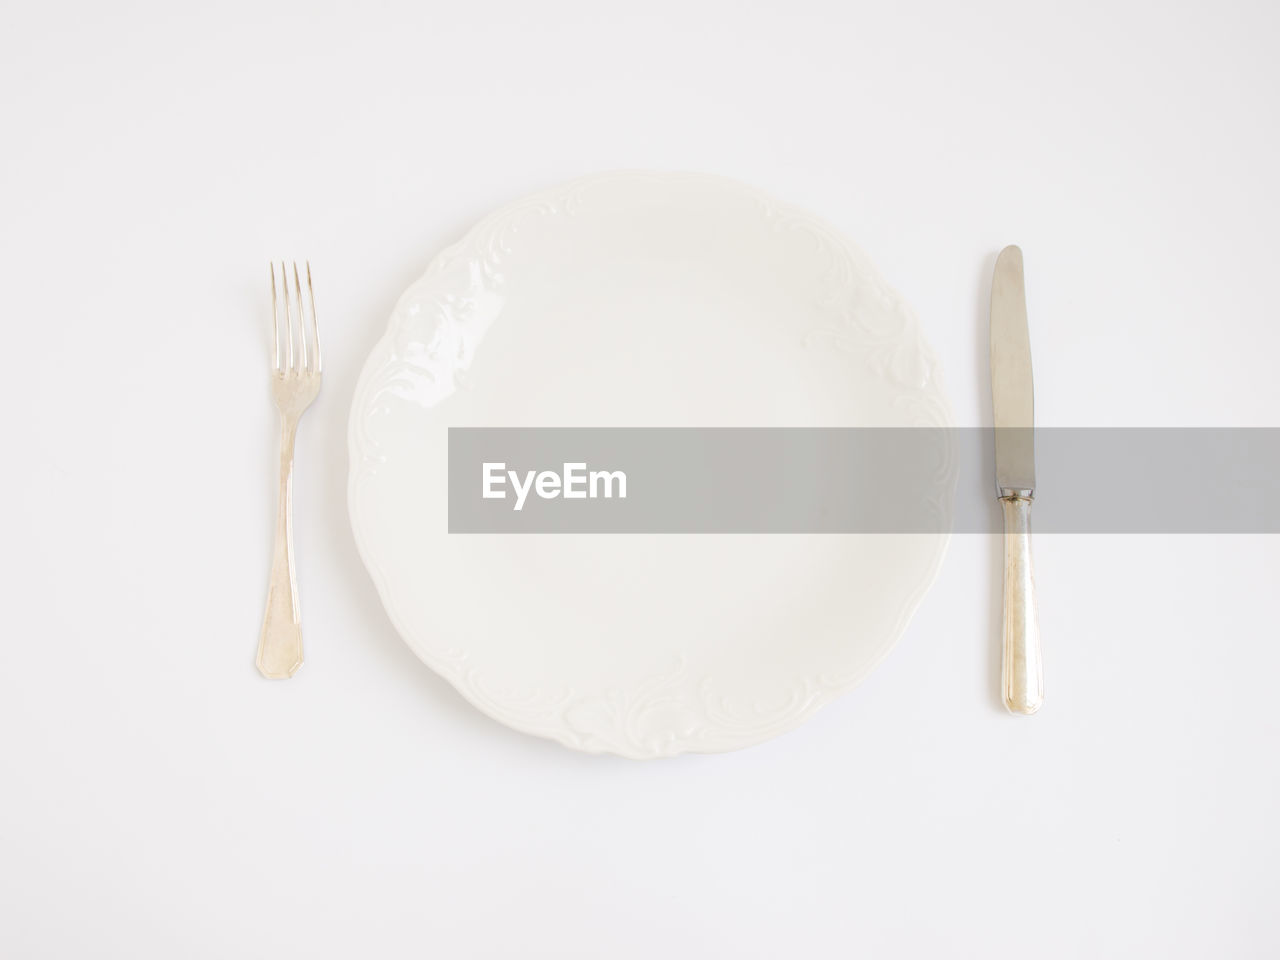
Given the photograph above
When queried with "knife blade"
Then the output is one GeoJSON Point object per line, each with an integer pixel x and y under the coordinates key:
{"type": "Point", "coordinates": [1012, 398]}
{"type": "Point", "coordinates": [1013, 412]}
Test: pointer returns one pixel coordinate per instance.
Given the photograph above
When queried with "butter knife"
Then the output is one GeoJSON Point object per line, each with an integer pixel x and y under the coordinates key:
{"type": "Point", "coordinates": [1013, 407]}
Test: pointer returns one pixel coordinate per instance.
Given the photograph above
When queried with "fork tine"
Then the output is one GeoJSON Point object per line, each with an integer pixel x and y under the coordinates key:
{"type": "Point", "coordinates": [303, 350]}
{"type": "Point", "coordinates": [315, 327]}
{"type": "Point", "coordinates": [288, 314]}
{"type": "Point", "coordinates": [275, 323]}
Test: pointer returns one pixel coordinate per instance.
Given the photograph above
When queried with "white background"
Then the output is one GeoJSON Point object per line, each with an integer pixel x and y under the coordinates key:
{"type": "Point", "coordinates": [158, 799]}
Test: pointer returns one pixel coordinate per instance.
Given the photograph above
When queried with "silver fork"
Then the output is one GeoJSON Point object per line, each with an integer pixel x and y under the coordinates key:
{"type": "Point", "coordinates": [295, 381]}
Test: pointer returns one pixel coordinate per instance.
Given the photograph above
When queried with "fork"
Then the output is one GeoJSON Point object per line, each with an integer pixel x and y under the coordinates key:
{"type": "Point", "coordinates": [295, 381]}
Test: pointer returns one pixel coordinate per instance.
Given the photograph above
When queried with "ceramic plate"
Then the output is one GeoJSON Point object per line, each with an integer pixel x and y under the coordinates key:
{"type": "Point", "coordinates": [637, 299]}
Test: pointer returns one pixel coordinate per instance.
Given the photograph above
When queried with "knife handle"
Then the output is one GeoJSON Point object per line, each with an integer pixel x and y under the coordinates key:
{"type": "Point", "coordinates": [1023, 683]}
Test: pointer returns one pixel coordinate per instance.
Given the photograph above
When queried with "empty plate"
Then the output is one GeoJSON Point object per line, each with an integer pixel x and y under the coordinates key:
{"type": "Point", "coordinates": [623, 300]}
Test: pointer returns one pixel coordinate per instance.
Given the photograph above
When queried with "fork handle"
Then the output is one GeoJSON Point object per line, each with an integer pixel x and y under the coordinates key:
{"type": "Point", "coordinates": [280, 645]}
{"type": "Point", "coordinates": [1023, 681]}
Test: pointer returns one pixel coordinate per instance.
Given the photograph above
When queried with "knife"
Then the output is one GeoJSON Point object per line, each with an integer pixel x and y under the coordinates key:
{"type": "Point", "coordinates": [1013, 408]}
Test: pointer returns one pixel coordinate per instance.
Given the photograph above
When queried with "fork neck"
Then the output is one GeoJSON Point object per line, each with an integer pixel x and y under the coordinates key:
{"type": "Point", "coordinates": [284, 511]}
{"type": "Point", "coordinates": [288, 434]}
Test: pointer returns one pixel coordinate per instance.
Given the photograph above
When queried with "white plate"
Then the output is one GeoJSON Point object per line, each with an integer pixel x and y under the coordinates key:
{"type": "Point", "coordinates": [639, 299]}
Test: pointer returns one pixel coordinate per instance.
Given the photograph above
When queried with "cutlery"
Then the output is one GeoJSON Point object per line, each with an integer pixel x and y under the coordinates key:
{"type": "Point", "coordinates": [1013, 408]}
{"type": "Point", "coordinates": [295, 381]}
